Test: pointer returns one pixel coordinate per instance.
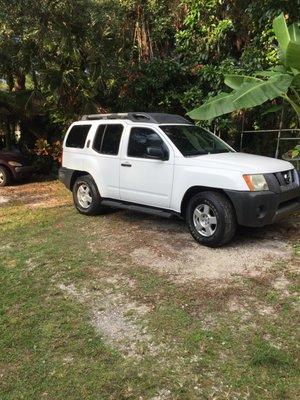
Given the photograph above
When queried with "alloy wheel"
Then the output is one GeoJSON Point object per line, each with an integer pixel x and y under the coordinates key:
{"type": "Point", "coordinates": [205, 220]}
{"type": "Point", "coordinates": [84, 196]}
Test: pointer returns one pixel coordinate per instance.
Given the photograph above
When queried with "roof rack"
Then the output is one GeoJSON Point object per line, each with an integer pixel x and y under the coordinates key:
{"type": "Point", "coordinates": [156, 118]}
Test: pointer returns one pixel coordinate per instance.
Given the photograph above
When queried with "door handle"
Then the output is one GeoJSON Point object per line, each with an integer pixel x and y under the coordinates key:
{"type": "Point", "coordinates": [126, 164]}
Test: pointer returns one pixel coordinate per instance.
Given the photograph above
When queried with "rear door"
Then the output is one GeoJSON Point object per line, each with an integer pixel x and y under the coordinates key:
{"type": "Point", "coordinates": [144, 180]}
{"type": "Point", "coordinates": [103, 158]}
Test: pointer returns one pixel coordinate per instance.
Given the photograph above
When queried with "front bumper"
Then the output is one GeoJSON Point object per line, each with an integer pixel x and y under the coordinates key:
{"type": "Point", "coordinates": [263, 208]}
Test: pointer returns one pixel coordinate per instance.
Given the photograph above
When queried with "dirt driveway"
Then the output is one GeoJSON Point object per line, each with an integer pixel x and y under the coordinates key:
{"type": "Point", "coordinates": [165, 245]}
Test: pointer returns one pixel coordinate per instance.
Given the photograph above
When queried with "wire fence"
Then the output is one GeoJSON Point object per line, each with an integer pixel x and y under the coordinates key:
{"type": "Point", "coordinates": [293, 137]}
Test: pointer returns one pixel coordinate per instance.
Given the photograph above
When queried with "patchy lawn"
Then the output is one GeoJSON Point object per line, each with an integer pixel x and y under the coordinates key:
{"type": "Point", "coordinates": [128, 306]}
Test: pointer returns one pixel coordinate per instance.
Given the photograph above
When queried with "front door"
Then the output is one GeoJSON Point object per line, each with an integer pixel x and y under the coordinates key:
{"type": "Point", "coordinates": [145, 180]}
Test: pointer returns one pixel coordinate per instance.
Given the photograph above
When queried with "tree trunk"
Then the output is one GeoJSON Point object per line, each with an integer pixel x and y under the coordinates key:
{"type": "Point", "coordinates": [20, 81]}
{"type": "Point", "coordinates": [8, 136]}
{"type": "Point", "coordinates": [142, 35]}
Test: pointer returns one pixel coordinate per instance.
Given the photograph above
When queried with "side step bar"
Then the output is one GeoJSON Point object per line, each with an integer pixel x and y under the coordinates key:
{"type": "Point", "coordinates": [134, 207]}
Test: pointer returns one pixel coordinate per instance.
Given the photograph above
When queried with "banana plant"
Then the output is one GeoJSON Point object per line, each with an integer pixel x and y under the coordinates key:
{"type": "Point", "coordinates": [282, 81]}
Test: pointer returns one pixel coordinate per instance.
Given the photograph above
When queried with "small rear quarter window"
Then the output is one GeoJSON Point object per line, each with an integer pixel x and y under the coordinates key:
{"type": "Point", "coordinates": [77, 136]}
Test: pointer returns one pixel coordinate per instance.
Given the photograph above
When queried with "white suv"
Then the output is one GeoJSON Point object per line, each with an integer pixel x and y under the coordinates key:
{"type": "Point", "coordinates": [163, 164]}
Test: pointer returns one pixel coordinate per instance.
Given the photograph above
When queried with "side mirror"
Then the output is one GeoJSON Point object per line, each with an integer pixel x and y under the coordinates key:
{"type": "Point", "coordinates": [156, 153]}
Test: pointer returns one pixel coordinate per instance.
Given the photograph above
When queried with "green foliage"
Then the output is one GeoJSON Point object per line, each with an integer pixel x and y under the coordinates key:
{"type": "Point", "coordinates": [296, 151]}
{"type": "Point", "coordinates": [251, 91]}
{"type": "Point", "coordinates": [62, 59]}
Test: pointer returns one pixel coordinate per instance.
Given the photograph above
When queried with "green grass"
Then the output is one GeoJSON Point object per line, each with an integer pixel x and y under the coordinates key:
{"type": "Point", "coordinates": [50, 350]}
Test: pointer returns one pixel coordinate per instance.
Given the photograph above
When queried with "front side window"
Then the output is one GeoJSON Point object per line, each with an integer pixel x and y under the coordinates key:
{"type": "Point", "coordinates": [142, 138]}
{"type": "Point", "coordinates": [77, 136]}
{"type": "Point", "coordinates": [192, 140]}
{"type": "Point", "coordinates": [107, 139]}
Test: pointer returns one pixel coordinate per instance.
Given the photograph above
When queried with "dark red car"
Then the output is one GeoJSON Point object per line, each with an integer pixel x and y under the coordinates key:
{"type": "Point", "coordinates": [14, 166]}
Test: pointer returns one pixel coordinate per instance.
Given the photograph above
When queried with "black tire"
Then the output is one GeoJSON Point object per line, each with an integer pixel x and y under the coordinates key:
{"type": "Point", "coordinates": [95, 206]}
{"type": "Point", "coordinates": [221, 209]}
{"type": "Point", "coordinates": [5, 177]}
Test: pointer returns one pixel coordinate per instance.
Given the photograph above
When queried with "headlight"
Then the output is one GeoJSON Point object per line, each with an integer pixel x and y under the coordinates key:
{"type": "Point", "coordinates": [256, 183]}
{"type": "Point", "coordinates": [14, 164]}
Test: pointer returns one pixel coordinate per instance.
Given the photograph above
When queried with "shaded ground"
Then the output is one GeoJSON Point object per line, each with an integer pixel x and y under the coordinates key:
{"type": "Point", "coordinates": [128, 306]}
{"type": "Point", "coordinates": [42, 194]}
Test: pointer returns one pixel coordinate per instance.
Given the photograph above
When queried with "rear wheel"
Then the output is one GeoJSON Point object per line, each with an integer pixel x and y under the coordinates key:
{"type": "Point", "coordinates": [5, 177]}
{"type": "Point", "coordinates": [86, 196]}
{"type": "Point", "coordinates": [211, 218]}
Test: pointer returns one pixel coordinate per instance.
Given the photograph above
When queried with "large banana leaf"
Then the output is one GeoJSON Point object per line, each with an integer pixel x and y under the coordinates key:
{"type": "Point", "coordinates": [218, 105]}
{"type": "Point", "coordinates": [293, 55]}
{"type": "Point", "coordinates": [249, 94]}
{"type": "Point", "coordinates": [281, 31]}
{"type": "Point", "coordinates": [289, 41]}
{"type": "Point", "coordinates": [294, 32]}
{"type": "Point", "coordinates": [235, 81]}
{"type": "Point", "coordinates": [296, 81]}
{"type": "Point", "coordinates": [253, 94]}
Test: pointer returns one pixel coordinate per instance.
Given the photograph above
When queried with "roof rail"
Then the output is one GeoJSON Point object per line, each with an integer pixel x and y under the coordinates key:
{"type": "Point", "coordinates": [156, 118]}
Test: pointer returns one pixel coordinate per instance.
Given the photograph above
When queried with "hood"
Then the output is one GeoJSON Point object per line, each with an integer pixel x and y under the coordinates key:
{"type": "Point", "coordinates": [242, 162]}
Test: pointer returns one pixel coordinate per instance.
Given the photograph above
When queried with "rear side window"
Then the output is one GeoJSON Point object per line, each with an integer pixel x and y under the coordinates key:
{"type": "Point", "coordinates": [77, 136]}
{"type": "Point", "coordinates": [107, 139]}
{"type": "Point", "coordinates": [99, 137]}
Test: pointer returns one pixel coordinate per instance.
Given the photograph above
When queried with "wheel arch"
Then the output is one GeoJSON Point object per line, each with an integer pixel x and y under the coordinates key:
{"type": "Point", "coordinates": [4, 166]}
{"type": "Point", "coordinates": [75, 175]}
{"type": "Point", "coordinates": [193, 190]}
{"type": "Point", "coordinates": [7, 169]}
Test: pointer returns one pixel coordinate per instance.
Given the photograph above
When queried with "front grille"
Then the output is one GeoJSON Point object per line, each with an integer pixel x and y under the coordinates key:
{"type": "Point", "coordinates": [285, 178]}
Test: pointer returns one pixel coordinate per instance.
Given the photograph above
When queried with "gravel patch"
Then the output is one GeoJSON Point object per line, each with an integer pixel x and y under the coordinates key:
{"type": "Point", "coordinates": [247, 308]}
{"type": "Point", "coordinates": [4, 199]}
{"type": "Point", "coordinates": [249, 257]}
{"type": "Point", "coordinates": [163, 394]}
{"type": "Point", "coordinates": [117, 319]}
{"type": "Point", "coordinates": [167, 247]}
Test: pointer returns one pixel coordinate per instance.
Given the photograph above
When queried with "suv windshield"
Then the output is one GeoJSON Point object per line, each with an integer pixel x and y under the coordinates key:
{"type": "Point", "coordinates": [193, 141]}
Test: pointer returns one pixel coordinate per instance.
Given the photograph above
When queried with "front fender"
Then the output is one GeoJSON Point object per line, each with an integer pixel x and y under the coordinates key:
{"type": "Point", "coordinates": [189, 176]}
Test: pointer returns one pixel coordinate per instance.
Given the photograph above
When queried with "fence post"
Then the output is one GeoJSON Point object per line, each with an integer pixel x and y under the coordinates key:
{"type": "Point", "coordinates": [279, 132]}
{"type": "Point", "coordinates": [242, 132]}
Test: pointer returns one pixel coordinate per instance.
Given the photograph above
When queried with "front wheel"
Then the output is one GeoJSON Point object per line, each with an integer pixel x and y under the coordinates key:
{"type": "Point", "coordinates": [86, 196]}
{"type": "Point", "coordinates": [211, 218]}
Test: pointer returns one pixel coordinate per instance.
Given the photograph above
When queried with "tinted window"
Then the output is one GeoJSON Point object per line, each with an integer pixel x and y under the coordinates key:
{"type": "Point", "coordinates": [107, 139]}
{"type": "Point", "coordinates": [111, 140]}
{"type": "Point", "coordinates": [77, 136]}
{"type": "Point", "coordinates": [140, 139]}
{"type": "Point", "coordinates": [99, 137]}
